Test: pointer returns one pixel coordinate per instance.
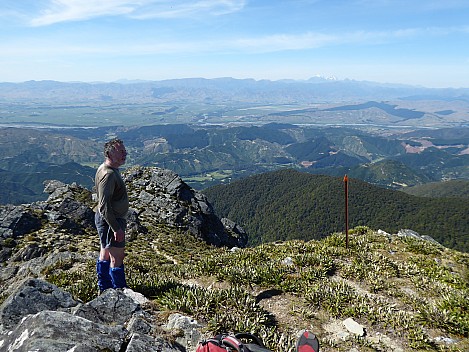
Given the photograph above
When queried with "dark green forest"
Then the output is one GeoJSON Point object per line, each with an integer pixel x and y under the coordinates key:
{"type": "Point", "coordinates": [445, 189]}
{"type": "Point", "coordinates": [289, 204]}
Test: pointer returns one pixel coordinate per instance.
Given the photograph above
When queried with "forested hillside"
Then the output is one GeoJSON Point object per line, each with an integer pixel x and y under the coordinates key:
{"type": "Point", "coordinates": [451, 188]}
{"type": "Point", "coordinates": [289, 204]}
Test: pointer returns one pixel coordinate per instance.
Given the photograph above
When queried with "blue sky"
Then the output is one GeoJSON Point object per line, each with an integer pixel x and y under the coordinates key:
{"type": "Point", "coordinates": [418, 42]}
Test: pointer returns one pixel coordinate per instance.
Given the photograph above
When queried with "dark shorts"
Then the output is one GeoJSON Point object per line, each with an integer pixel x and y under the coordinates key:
{"type": "Point", "coordinates": [106, 235]}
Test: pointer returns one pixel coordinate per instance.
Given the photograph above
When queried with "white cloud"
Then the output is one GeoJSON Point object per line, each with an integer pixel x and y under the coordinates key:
{"type": "Point", "coordinates": [79, 10]}
{"type": "Point", "coordinates": [75, 10]}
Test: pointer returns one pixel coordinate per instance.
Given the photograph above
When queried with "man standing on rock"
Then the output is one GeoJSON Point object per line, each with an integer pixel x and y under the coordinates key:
{"type": "Point", "coordinates": [110, 217]}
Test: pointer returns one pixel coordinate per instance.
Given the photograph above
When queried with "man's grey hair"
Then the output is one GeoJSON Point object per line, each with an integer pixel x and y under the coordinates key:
{"type": "Point", "coordinates": [110, 145]}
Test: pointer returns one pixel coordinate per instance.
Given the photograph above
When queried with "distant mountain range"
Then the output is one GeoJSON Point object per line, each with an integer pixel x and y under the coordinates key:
{"type": "Point", "coordinates": [317, 101]}
{"type": "Point", "coordinates": [224, 90]}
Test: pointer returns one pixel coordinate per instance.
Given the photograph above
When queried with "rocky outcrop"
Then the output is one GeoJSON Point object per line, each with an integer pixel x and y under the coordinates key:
{"type": "Point", "coordinates": [162, 195]}
{"type": "Point", "coordinates": [68, 206]}
{"type": "Point", "coordinates": [156, 196]}
{"type": "Point", "coordinates": [411, 234]}
{"type": "Point", "coordinates": [39, 316]}
{"type": "Point", "coordinates": [17, 220]}
{"type": "Point", "coordinates": [416, 235]}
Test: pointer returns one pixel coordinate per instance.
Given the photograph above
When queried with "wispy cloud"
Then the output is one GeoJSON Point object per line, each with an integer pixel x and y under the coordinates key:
{"type": "Point", "coordinates": [288, 42]}
{"type": "Point", "coordinates": [312, 40]}
{"type": "Point", "coordinates": [281, 42]}
{"type": "Point", "coordinates": [223, 46]}
{"type": "Point", "coordinates": [77, 10]}
{"type": "Point", "coordinates": [189, 8]}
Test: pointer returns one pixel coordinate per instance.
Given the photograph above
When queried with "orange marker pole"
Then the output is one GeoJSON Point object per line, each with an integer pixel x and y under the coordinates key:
{"type": "Point", "coordinates": [346, 210]}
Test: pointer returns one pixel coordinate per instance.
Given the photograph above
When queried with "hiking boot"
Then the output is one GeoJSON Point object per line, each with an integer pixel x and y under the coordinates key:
{"type": "Point", "coordinates": [307, 342]}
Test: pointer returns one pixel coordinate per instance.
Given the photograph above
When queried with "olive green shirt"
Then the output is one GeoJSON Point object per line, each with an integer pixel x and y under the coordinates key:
{"type": "Point", "coordinates": [113, 201]}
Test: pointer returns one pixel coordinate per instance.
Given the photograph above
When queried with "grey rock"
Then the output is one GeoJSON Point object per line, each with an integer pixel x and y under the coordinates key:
{"type": "Point", "coordinates": [50, 186]}
{"type": "Point", "coordinates": [36, 266]}
{"type": "Point", "coordinates": [161, 194]}
{"type": "Point", "coordinates": [354, 327]}
{"type": "Point", "coordinates": [134, 226]}
{"type": "Point", "coordinates": [408, 233]}
{"type": "Point", "coordinates": [8, 272]}
{"type": "Point", "coordinates": [71, 215]}
{"type": "Point", "coordinates": [5, 254]}
{"type": "Point", "coordinates": [111, 307]}
{"type": "Point", "coordinates": [136, 296]}
{"type": "Point", "coordinates": [445, 340]}
{"type": "Point", "coordinates": [138, 324]}
{"type": "Point", "coordinates": [17, 220]}
{"type": "Point", "coordinates": [29, 252]}
{"type": "Point", "coordinates": [65, 209]}
{"type": "Point", "coordinates": [38, 316]}
{"type": "Point", "coordinates": [145, 343]}
{"type": "Point", "coordinates": [189, 326]}
{"type": "Point", "coordinates": [66, 206]}
{"type": "Point", "coordinates": [236, 231]}
{"type": "Point", "coordinates": [53, 331]}
{"type": "Point", "coordinates": [416, 235]}
{"type": "Point", "coordinates": [33, 296]}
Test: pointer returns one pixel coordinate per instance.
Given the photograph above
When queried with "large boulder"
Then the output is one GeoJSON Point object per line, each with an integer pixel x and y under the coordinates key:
{"type": "Point", "coordinates": [69, 206]}
{"type": "Point", "coordinates": [146, 343]}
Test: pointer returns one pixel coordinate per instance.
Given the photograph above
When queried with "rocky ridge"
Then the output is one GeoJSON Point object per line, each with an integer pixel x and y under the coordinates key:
{"type": "Point", "coordinates": [37, 315]}
{"type": "Point", "coordinates": [161, 195]}
{"type": "Point", "coordinates": [156, 196]}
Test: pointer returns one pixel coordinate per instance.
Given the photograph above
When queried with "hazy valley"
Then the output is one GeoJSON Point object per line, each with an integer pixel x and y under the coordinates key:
{"type": "Point", "coordinates": [216, 131]}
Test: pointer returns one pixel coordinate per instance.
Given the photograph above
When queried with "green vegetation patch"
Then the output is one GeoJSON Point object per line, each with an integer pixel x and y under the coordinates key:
{"type": "Point", "coordinates": [406, 289]}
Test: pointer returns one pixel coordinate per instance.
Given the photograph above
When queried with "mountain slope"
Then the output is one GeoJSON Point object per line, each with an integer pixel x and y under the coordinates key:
{"type": "Point", "coordinates": [445, 189]}
{"type": "Point", "coordinates": [288, 204]}
{"type": "Point", "coordinates": [388, 173]}
{"type": "Point", "coordinates": [407, 293]}
{"type": "Point", "coordinates": [26, 183]}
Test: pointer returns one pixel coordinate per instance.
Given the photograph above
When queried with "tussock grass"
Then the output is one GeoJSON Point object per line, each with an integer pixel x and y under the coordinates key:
{"type": "Point", "coordinates": [409, 290]}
